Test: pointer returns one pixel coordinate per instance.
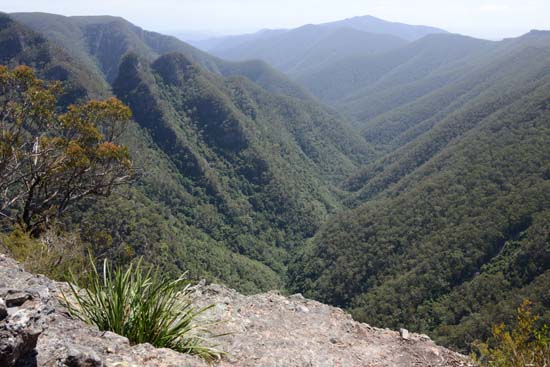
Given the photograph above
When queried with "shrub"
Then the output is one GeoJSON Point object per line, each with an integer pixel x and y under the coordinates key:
{"type": "Point", "coordinates": [525, 345]}
{"type": "Point", "coordinates": [51, 160]}
{"type": "Point", "coordinates": [142, 306]}
{"type": "Point", "coordinates": [55, 254]}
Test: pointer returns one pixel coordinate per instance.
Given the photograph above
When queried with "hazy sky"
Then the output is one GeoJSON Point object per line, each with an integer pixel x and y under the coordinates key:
{"type": "Point", "coordinates": [482, 18]}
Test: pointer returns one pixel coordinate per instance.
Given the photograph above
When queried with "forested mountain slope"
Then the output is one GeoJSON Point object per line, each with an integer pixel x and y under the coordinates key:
{"type": "Point", "coordinates": [415, 132]}
{"type": "Point", "coordinates": [365, 86]}
{"type": "Point", "coordinates": [370, 24]}
{"type": "Point", "coordinates": [233, 176]}
{"type": "Point", "coordinates": [335, 60]}
{"type": "Point", "coordinates": [20, 45]}
{"type": "Point", "coordinates": [261, 161]}
{"type": "Point", "coordinates": [253, 45]}
{"type": "Point", "coordinates": [432, 215]}
{"type": "Point", "coordinates": [101, 41]}
{"type": "Point", "coordinates": [309, 48]}
{"type": "Point", "coordinates": [367, 24]}
{"type": "Point", "coordinates": [451, 228]}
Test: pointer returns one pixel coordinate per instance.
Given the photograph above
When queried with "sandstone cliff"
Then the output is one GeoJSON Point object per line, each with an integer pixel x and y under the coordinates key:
{"type": "Point", "coordinates": [266, 330]}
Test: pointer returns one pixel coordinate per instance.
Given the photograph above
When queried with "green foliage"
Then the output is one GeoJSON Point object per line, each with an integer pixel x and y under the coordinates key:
{"type": "Point", "coordinates": [21, 46]}
{"type": "Point", "coordinates": [113, 37]}
{"type": "Point", "coordinates": [525, 345]}
{"type": "Point", "coordinates": [448, 225]}
{"type": "Point", "coordinates": [50, 160]}
{"type": "Point", "coordinates": [233, 174]}
{"type": "Point", "coordinates": [451, 228]}
{"type": "Point", "coordinates": [143, 307]}
{"type": "Point", "coordinates": [255, 169]}
{"type": "Point", "coordinates": [55, 254]}
{"type": "Point", "coordinates": [365, 85]}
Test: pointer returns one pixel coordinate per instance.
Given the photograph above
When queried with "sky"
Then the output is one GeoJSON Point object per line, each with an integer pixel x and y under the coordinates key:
{"type": "Point", "coordinates": [491, 19]}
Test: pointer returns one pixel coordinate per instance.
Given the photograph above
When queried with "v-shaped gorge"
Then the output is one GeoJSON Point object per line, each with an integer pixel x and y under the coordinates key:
{"type": "Point", "coordinates": [261, 169]}
{"type": "Point", "coordinates": [431, 214]}
{"type": "Point", "coordinates": [450, 226]}
{"type": "Point", "coordinates": [239, 165]}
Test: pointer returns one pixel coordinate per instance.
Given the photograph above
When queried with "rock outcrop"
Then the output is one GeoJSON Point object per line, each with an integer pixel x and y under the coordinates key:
{"type": "Point", "coordinates": [38, 331]}
{"type": "Point", "coordinates": [266, 330]}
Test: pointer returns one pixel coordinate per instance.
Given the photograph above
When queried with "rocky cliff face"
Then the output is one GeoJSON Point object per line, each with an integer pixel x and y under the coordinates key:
{"type": "Point", "coordinates": [262, 330]}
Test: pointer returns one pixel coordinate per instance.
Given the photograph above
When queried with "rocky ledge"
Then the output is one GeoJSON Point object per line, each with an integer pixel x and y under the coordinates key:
{"type": "Point", "coordinates": [268, 330]}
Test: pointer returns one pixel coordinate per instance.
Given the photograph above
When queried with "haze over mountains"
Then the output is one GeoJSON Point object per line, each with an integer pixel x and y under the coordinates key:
{"type": "Point", "coordinates": [367, 24]}
{"type": "Point", "coordinates": [311, 46]}
{"type": "Point", "coordinates": [397, 171]}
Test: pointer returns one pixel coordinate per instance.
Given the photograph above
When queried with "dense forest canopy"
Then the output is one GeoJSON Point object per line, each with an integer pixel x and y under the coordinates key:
{"type": "Point", "coordinates": [418, 199]}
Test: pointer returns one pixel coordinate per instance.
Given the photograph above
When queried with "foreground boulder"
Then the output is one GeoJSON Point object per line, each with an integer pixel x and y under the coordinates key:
{"type": "Point", "coordinates": [266, 330]}
{"type": "Point", "coordinates": [18, 335]}
{"type": "Point", "coordinates": [38, 331]}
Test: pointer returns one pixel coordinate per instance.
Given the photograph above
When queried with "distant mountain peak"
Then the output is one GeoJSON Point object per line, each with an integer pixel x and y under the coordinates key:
{"type": "Point", "coordinates": [372, 24]}
{"type": "Point", "coordinates": [367, 16]}
{"type": "Point", "coordinates": [538, 32]}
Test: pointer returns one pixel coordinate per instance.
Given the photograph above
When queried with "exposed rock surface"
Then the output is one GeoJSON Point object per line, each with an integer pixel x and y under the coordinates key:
{"type": "Point", "coordinates": [264, 330]}
{"type": "Point", "coordinates": [271, 330]}
{"type": "Point", "coordinates": [38, 332]}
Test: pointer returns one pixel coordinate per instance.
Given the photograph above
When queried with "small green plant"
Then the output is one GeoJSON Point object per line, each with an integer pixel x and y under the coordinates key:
{"type": "Point", "coordinates": [525, 345]}
{"type": "Point", "coordinates": [142, 306]}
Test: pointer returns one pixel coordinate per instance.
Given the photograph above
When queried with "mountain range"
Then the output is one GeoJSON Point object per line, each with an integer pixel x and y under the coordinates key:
{"type": "Point", "coordinates": [230, 165]}
{"type": "Point", "coordinates": [400, 172]}
{"type": "Point", "coordinates": [311, 47]}
{"type": "Point", "coordinates": [367, 24]}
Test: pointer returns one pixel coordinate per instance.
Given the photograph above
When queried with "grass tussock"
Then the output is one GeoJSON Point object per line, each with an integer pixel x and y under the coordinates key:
{"type": "Point", "coordinates": [144, 307]}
